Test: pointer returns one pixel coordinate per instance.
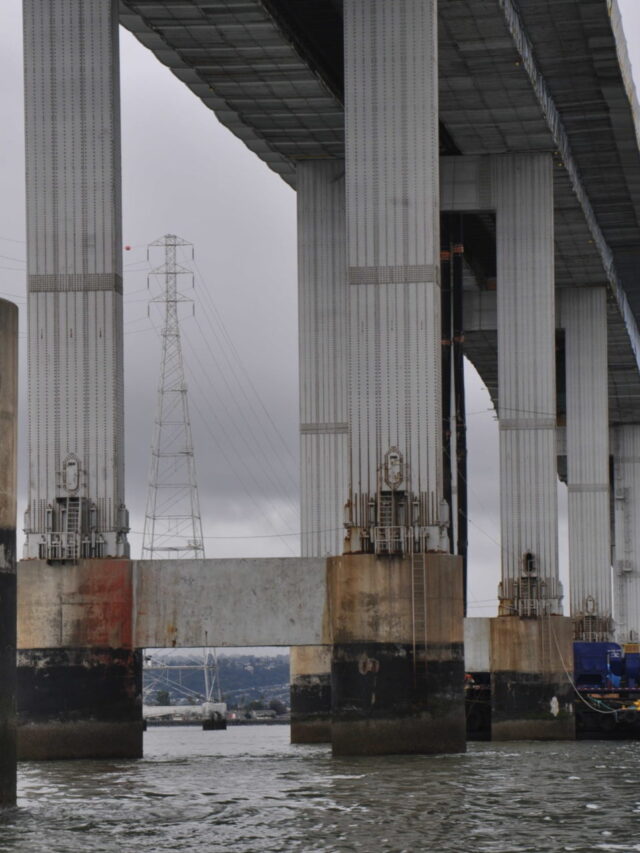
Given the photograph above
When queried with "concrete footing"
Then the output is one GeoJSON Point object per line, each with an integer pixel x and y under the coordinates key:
{"type": "Point", "coordinates": [531, 695]}
{"type": "Point", "coordinates": [79, 703]}
{"type": "Point", "coordinates": [310, 668]}
{"type": "Point", "coordinates": [79, 677]}
{"type": "Point", "coordinates": [396, 676]}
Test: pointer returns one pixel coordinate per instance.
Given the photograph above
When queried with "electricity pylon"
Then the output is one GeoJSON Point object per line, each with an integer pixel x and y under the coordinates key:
{"type": "Point", "coordinates": [172, 524]}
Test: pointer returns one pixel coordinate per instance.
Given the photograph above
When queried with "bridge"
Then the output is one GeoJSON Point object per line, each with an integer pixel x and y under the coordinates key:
{"type": "Point", "coordinates": [468, 181]}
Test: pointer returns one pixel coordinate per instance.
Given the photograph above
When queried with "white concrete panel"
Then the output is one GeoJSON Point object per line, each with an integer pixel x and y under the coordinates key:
{"type": "Point", "coordinates": [322, 307]}
{"type": "Point", "coordinates": [584, 318]}
{"type": "Point", "coordinates": [74, 259]}
{"type": "Point", "coordinates": [477, 644]}
{"type": "Point", "coordinates": [625, 442]}
{"type": "Point", "coordinates": [523, 193]}
{"type": "Point", "coordinates": [259, 602]}
{"type": "Point", "coordinates": [392, 179]}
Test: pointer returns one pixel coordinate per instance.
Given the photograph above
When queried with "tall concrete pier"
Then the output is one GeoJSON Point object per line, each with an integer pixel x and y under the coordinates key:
{"type": "Point", "coordinates": [386, 679]}
{"type": "Point", "coordinates": [584, 319]}
{"type": "Point", "coordinates": [322, 301]}
{"type": "Point", "coordinates": [625, 446]}
{"type": "Point", "coordinates": [78, 678]}
{"type": "Point", "coordinates": [8, 469]}
{"type": "Point", "coordinates": [527, 687]}
{"type": "Point", "coordinates": [74, 267]}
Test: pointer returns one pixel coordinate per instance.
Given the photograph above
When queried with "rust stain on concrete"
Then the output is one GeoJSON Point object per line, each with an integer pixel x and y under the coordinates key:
{"type": "Point", "coordinates": [86, 604]}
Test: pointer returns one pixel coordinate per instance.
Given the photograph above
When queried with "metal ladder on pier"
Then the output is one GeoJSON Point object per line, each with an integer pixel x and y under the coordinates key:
{"type": "Point", "coordinates": [385, 524]}
{"type": "Point", "coordinates": [419, 607]}
{"type": "Point", "coordinates": [73, 529]}
{"type": "Point", "coordinates": [546, 643]}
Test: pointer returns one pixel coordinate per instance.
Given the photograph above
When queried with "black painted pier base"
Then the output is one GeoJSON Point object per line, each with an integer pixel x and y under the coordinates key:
{"type": "Point", "coordinates": [389, 694]}
{"type": "Point", "coordinates": [385, 705]}
{"type": "Point", "coordinates": [310, 668]}
{"type": "Point", "coordinates": [531, 695]}
{"type": "Point", "coordinates": [8, 673]}
{"type": "Point", "coordinates": [79, 703]}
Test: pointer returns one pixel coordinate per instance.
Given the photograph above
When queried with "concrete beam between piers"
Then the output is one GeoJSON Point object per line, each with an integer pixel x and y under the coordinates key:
{"type": "Point", "coordinates": [257, 602]}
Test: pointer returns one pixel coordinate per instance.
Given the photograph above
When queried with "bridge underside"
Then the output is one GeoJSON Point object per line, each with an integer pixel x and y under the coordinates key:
{"type": "Point", "coordinates": [554, 77]}
{"type": "Point", "coordinates": [534, 101]}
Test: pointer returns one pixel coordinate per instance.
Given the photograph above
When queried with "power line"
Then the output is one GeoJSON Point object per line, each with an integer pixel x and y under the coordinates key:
{"type": "Point", "coordinates": [260, 455]}
{"type": "Point", "coordinates": [227, 337]}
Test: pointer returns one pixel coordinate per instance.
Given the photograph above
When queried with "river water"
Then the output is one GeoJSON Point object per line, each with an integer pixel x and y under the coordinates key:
{"type": "Point", "coordinates": [247, 790]}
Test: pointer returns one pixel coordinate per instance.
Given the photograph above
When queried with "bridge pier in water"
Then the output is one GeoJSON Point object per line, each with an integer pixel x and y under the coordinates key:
{"type": "Point", "coordinates": [396, 593]}
{"type": "Point", "coordinates": [78, 675]}
{"type": "Point", "coordinates": [8, 593]}
{"type": "Point", "coordinates": [528, 690]}
{"type": "Point", "coordinates": [396, 690]}
{"type": "Point", "coordinates": [584, 320]}
{"type": "Point", "coordinates": [322, 306]}
{"type": "Point", "coordinates": [625, 441]}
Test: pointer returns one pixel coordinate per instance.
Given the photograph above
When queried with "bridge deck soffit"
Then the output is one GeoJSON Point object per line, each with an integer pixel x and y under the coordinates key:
{"type": "Point", "coordinates": [542, 76]}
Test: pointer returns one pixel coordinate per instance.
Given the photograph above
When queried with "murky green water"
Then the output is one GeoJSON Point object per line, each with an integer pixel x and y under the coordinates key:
{"type": "Point", "coordinates": [248, 791]}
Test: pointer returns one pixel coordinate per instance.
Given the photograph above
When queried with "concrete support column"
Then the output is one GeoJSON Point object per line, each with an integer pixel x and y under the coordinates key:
{"type": "Point", "coordinates": [523, 188]}
{"type": "Point", "coordinates": [77, 696]}
{"type": "Point", "coordinates": [322, 305]}
{"type": "Point", "coordinates": [396, 608]}
{"type": "Point", "coordinates": [8, 459]}
{"type": "Point", "coordinates": [584, 318]}
{"type": "Point", "coordinates": [396, 690]}
{"type": "Point", "coordinates": [626, 564]}
{"type": "Point", "coordinates": [393, 255]}
{"type": "Point", "coordinates": [531, 696]}
{"type": "Point", "coordinates": [74, 265]}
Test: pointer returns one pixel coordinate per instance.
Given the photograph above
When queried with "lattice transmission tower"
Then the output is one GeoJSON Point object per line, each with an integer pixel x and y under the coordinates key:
{"type": "Point", "coordinates": [172, 524]}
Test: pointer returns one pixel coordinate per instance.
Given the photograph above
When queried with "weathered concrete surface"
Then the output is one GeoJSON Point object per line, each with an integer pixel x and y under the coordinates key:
{"type": "Point", "coordinates": [477, 644]}
{"type": "Point", "coordinates": [79, 703]}
{"type": "Point", "coordinates": [90, 739]}
{"type": "Point", "coordinates": [79, 675]}
{"type": "Point", "coordinates": [370, 599]}
{"type": "Point", "coordinates": [86, 604]}
{"type": "Point", "coordinates": [389, 694]}
{"type": "Point", "coordinates": [79, 625]}
{"type": "Point", "coordinates": [531, 696]}
{"type": "Point", "coordinates": [165, 603]}
{"type": "Point", "coordinates": [8, 461]}
{"type": "Point", "coordinates": [253, 602]}
{"type": "Point", "coordinates": [310, 668]}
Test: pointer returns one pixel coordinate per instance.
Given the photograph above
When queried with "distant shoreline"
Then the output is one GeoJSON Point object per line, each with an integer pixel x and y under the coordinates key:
{"type": "Point", "coordinates": [152, 724]}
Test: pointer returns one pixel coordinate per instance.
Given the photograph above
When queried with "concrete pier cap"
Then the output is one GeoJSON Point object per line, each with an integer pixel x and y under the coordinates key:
{"type": "Point", "coordinates": [79, 673]}
{"type": "Point", "coordinates": [531, 692]}
{"type": "Point", "coordinates": [398, 664]}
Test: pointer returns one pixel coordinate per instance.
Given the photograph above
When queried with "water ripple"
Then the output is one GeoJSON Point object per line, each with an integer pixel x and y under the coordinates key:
{"type": "Point", "coordinates": [248, 790]}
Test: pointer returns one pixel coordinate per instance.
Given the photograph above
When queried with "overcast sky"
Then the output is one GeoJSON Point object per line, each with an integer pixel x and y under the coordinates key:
{"type": "Point", "coordinates": [184, 173]}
